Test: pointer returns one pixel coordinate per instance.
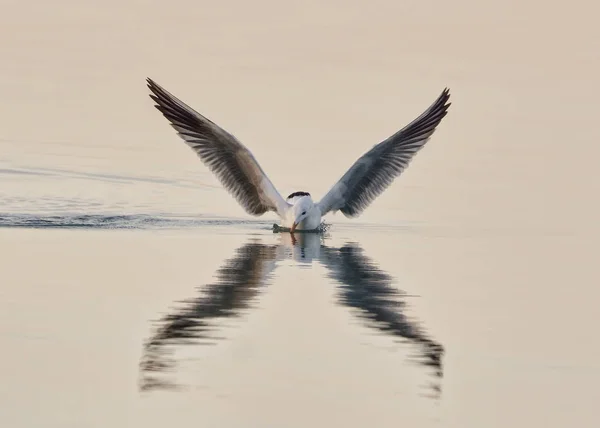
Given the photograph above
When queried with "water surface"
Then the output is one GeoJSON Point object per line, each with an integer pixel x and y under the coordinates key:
{"type": "Point", "coordinates": [136, 292]}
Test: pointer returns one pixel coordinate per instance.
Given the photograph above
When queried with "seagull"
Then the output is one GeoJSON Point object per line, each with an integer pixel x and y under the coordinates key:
{"type": "Point", "coordinates": [242, 176]}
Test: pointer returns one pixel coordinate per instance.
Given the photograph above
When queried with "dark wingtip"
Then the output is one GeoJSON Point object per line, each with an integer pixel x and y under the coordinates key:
{"type": "Point", "coordinates": [153, 86]}
{"type": "Point", "coordinates": [445, 96]}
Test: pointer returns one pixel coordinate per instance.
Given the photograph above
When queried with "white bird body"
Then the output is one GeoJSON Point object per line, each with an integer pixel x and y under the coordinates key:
{"type": "Point", "coordinates": [240, 173]}
{"type": "Point", "coordinates": [302, 207]}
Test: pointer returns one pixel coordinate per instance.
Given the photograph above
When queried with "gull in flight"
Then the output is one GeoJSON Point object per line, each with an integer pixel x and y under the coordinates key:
{"type": "Point", "coordinates": [242, 176]}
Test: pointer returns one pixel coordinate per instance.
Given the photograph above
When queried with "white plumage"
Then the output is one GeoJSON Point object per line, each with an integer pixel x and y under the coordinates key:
{"type": "Point", "coordinates": [240, 173]}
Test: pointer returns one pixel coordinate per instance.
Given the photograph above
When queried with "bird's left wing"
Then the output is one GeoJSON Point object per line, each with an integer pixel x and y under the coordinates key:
{"type": "Point", "coordinates": [372, 173]}
{"type": "Point", "coordinates": [232, 163]}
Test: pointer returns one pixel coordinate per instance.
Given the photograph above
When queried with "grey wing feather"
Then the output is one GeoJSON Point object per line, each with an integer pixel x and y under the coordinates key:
{"type": "Point", "coordinates": [372, 173]}
{"type": "Point", "coordinates": [232, 163]}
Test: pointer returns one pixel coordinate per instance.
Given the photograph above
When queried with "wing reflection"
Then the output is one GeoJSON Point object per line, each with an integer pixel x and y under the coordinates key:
{"type": "Point", "coordinates": [365, 287]}
{"type": "Point", "coordinates": [362, 286]}
{"type": "Point", "coordinates": [238, 283]}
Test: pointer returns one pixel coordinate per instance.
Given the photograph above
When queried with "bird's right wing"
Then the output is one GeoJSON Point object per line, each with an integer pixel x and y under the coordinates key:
{"type": "Point", "coordinates": [232, 163]}
{"type": "Point", "coordinates": [372, 173]}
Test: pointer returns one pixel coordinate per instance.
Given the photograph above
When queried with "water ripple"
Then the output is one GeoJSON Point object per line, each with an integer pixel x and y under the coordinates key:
{"type": "Point", "coordinates": [118, 221]}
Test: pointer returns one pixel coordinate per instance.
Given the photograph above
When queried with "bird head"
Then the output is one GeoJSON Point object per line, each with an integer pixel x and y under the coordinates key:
{"type": "Point", "coordinates": [301, 210]}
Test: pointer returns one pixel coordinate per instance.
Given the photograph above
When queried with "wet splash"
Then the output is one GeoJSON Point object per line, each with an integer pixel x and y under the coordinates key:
{"type": "Point", "coordinates": [323, 228]}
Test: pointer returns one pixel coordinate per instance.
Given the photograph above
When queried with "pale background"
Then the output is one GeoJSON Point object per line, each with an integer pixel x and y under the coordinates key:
{"type": "Point", "coordinates": [494, 225]}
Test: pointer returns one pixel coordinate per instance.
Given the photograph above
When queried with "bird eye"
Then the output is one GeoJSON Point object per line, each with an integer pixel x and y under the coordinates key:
{"type": "Point", "coordinates": [304, 213]}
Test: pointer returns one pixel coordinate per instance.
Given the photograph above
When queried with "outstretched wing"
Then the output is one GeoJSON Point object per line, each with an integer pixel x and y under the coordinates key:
{"type": "Point", "coordinates": [375, 170]}
{"type": "Point", "coordinates": [232, 163]}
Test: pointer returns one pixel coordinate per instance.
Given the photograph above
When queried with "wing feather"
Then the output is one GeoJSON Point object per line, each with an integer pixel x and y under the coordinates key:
{"type": "Point", "coordinates": [373, 172]}
{"type": "Point", "coordinates": [231, 162]}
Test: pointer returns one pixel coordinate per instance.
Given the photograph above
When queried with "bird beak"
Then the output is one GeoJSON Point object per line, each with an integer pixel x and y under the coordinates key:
{"type": "Point", "coordinates": [294, 226]}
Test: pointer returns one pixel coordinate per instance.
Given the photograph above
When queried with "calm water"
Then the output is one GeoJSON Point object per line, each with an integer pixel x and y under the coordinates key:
{"type": "Point", "coordinates": [135, 291]}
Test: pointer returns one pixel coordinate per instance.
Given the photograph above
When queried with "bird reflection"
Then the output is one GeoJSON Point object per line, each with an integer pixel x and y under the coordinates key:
{"type": "Point", "coordinates": [362, 286]}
